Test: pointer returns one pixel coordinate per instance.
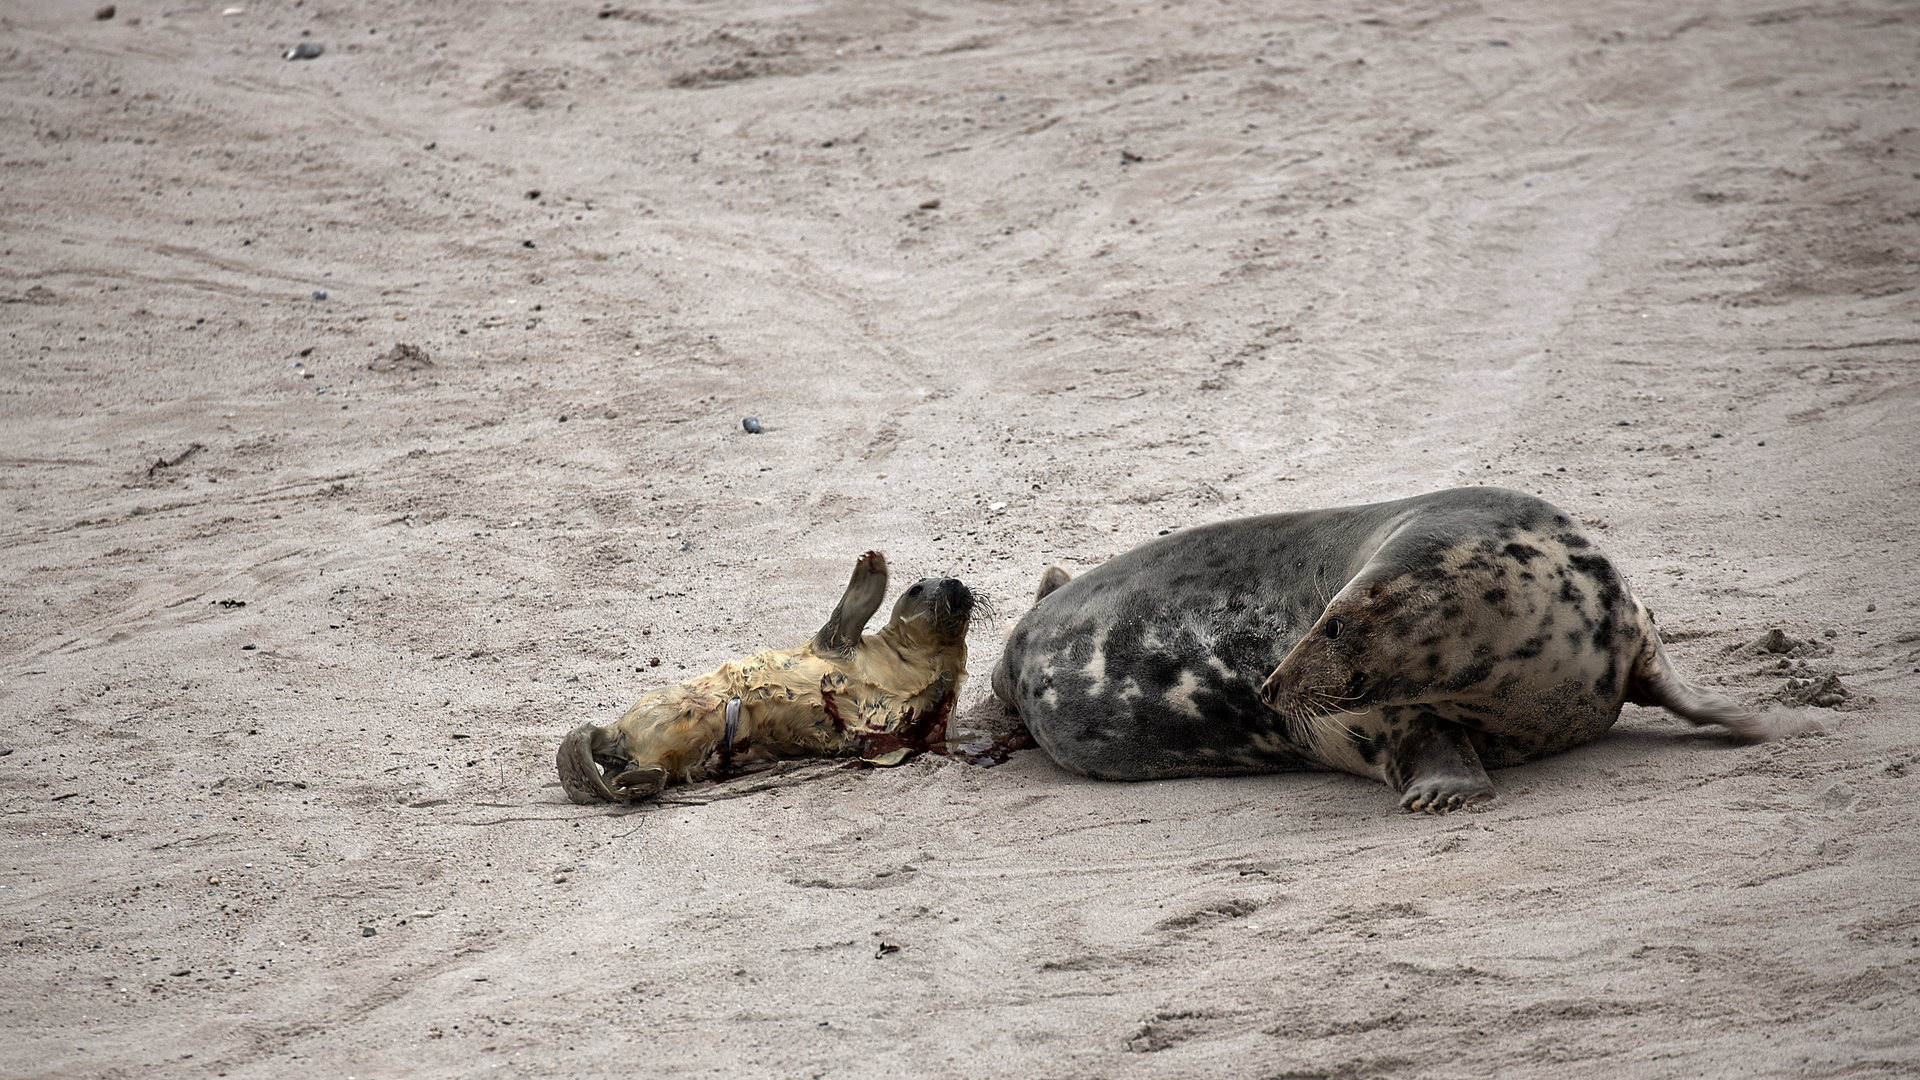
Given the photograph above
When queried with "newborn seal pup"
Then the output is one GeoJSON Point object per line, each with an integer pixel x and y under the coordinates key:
{"type": "Point", "coordinates": [1419, 642]}
{"type": "Point", "coordinates": [882, 696]}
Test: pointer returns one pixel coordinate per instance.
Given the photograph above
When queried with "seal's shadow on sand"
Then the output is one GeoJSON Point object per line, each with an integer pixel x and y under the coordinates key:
{"type": "Point", "coordinates": [1643, 736]}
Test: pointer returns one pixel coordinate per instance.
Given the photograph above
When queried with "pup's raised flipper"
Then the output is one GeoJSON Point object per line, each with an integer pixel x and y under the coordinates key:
{"type": "Point", "coordinates": [865, 593]}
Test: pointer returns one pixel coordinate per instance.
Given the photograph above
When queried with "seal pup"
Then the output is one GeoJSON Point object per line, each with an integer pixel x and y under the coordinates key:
{"type": "Point", "coordinates": [1418, 642]}
{"type": "Point", "coordinates": [882, 696]}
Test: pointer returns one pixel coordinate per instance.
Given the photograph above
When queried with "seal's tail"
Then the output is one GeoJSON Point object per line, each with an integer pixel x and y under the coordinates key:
{"type": "Point", "coordinates": [1655, 682]}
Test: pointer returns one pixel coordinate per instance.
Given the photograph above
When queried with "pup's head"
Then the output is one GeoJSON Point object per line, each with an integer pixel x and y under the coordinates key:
{"type": "Point", "coordinates": [932, 613]}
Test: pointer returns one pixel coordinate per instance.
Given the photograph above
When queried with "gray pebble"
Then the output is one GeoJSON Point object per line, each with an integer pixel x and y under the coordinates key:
{"type": "Point", "coordinates": [319, 294]}
{"type": "Point", "coordinates": [306, 50]}
{"type": "Point", "coordinates": [751, 425]}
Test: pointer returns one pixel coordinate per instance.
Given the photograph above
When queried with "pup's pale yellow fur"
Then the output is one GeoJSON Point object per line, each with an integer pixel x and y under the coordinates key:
{"type": "Point", "coordinates": [839, 693]}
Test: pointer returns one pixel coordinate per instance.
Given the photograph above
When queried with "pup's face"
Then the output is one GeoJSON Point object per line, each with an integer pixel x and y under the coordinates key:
{"type": "Point", "coordinates": [934, 612]}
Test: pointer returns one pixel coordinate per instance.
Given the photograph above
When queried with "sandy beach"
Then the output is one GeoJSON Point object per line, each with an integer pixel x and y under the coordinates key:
{"type": "Point", "coordinates": [372, 419]}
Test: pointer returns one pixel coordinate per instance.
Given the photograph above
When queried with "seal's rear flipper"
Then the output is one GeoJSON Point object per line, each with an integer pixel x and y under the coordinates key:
{"type": "Point", "coordinates": [582, 778]}
{"type": "Point", "coordinates": [865, 592]}
{"type": "Point", "coordinates": [1654, 681]}
{"type": "Point", "coordinates": [1051, 579]}
{"type": "Point", "coordinates": [579, 774]}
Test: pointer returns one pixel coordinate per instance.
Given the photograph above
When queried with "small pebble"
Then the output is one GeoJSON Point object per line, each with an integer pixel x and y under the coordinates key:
{"type": "Point", "coordinates": [105, 13]}
{"type": "Point", "coordinates": [751, 425]}
{"type": "Point", "coordinates": [306, 50]}
{"type": "Point", "coordinates": [526, 243]}
{"type": "Point", "coordinates": [930, 204]}
{"type": "Point", "coordinates": [248, 648]}
{"type": "Point", "coordinates": [1622, 423]}
{"type": "Point", "coordinates": [1870, 607]}
{"type": "Point", "coordinates": [368, 931]}
{"type": "Point", "coordinates": [319, 294]}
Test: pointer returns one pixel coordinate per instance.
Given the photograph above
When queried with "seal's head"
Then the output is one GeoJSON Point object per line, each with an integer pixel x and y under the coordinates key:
{"type": "Point", "coordinates": [1508, 620]}
{"type": "Point", "coordinates": [1325, 674]}
{"type": "Point", "coordinates": [933, 613]}
{"type": "Point", "coordinates": [1426, 619]}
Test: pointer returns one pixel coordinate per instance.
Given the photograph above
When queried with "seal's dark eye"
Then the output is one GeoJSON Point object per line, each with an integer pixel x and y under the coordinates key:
{"type": "Point", "coordinates": [1335, 626]}
{"type": "Point", "coordinates": [915, 591]}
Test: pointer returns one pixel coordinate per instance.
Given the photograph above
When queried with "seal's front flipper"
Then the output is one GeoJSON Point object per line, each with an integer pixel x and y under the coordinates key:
{"type": "Point", "coordinates": [1435, 768]}
{"type": "Point", "coordinates": [864, 595]}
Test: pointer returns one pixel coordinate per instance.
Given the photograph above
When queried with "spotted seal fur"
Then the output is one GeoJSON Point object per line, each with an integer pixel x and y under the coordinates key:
{"type": "Point", "coordinates": [1419, 642]}
{"type": "Point", "coordinates": [882, 696]}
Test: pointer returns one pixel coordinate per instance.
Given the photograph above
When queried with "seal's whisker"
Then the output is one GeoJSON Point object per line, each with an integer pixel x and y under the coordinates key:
{"type": "Point", "coordinates": [1320, 695]}
{"type": "Point", "coordinates": [983, 606]}
{"type": "Point", "coordinates": [1312, 722]}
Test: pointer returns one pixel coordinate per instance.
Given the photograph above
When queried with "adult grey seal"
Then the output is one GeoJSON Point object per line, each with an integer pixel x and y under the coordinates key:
{"type": "Point", "coordinates": [1419, 642]}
